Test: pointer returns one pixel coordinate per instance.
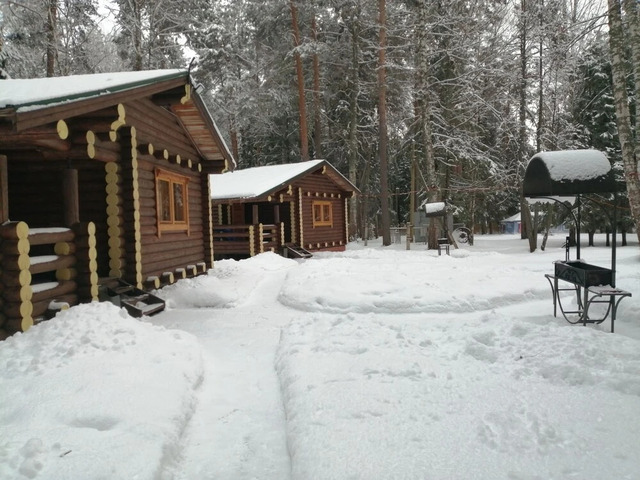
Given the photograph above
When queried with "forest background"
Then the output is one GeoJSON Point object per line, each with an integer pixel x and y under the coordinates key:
{"type": "Point", "coordinates": [412, 100]}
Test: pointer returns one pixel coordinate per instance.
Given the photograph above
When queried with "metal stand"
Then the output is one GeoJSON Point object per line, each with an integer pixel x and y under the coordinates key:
{"type": "Point", "coordinates": [585, 297]}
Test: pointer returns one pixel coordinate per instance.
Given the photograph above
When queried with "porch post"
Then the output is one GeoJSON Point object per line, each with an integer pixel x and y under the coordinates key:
{"type": "Point", "coordinates": [279, 226]}
{"type": "Point", "coordinates": [276, 213]}
{"type": "Point", "coordinates": [71, 197]}
{"type": "Point", "coordinates": [4, 190]}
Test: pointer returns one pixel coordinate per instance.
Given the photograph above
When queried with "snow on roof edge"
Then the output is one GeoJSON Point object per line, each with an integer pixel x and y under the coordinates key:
{"type": "Point", "coordinates": [256, 181]}
{"type": "Point", "coordinates": [33, 93]}
{"type": "Point", "coordinates": [572, 165]}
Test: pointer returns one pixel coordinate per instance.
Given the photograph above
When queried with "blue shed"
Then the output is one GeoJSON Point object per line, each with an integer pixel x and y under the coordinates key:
{"type": "Point", "coordinates": [511, 224]}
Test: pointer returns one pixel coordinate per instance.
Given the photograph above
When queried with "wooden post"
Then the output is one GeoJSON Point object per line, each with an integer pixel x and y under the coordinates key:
{"type": "Point", "coordinates": [17, 308]}
{"type": "Point", "coordinates": [252, 243]}
{"type": "Point", "coordinates": [408, 236]}
{"type": "Point", "coordinates": [71, 197]}
{"type": "Point", "coordinates": [4, 190]}
{"type": "Point", "coordinates": [254, 215]}
{"type": "Point", "coordinates": [86, 260]}
{"type": "Point", "coordinates": [276, 213]}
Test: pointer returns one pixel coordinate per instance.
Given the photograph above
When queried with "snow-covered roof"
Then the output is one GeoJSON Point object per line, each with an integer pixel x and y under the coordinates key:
{"type": "Point", "coordinates": [513, 218]}
{"type": "Point", "coordinates": [434, 209]}
{"type": "Point", "coordinates": [569, 165]}
{"type": "Point", "coordinates": [567, 173]}
{"type": "Point", "coordinates": [259, 181]}
{"type": "Point", "coordinates": [34, 93]}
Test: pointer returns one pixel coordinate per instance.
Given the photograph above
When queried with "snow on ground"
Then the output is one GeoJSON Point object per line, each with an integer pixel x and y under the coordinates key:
{"type": "Point", "coordinates": [372, 363]}
{"type": "Point", "coordinates": [95, 394]}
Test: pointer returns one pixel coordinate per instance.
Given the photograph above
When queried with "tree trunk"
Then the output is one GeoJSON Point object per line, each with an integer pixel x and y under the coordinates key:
{"type": "Point", "coordinates": [302, 106]}
{"type": "Point", "coordinates": [52, 26]}
{"type": "Point", "coordinates": [617, 42]}
{"type": "Point", "coordinates": [353, 130]}
{"type": "Point", "coordinates": [423, 114]}
{"type": "Point", "coordinates": [525, 213]}
{"type": "Point", "coordinates": [382, 112]}
{"type": "Point", "coordinates": [317, 119]}
{"type": "Point", "coordinates": [137, 35]}
{"type": "Point", "coordinates": [630, 160]}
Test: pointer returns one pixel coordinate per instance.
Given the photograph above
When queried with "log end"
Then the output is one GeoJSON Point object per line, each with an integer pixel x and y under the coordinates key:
{"type": "Point", "coordinates": [63, 129]}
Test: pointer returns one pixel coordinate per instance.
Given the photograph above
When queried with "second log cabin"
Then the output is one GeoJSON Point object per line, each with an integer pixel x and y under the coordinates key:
{"type": "Point", "coordinates": [281, 208]}
{"type": "Point", "coordinates": [102, 176]}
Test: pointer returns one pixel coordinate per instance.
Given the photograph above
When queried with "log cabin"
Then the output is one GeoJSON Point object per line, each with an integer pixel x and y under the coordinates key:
{"type": "Point", "coordinates": [102, 176]}
{"type": "Point", "coordinates": [292, 209]}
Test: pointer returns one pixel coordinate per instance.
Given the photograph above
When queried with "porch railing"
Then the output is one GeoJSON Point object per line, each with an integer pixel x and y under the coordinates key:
{"type": "Point", "coordinates": [247, 239]}
{"type": "Point", "coordinates": [44, 269]}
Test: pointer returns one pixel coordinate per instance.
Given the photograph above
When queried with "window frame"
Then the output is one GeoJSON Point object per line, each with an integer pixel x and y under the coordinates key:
{"type": "Point", "coordinates": [326, 207]}
{"type": "Point", "coordinates": [173, 179]}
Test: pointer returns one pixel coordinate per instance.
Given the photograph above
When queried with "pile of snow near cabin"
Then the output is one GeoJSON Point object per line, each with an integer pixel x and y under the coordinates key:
{"type": "Point", "coordinates": [385, 364]}
{"type": "Point", "coordinates": [95, 394]}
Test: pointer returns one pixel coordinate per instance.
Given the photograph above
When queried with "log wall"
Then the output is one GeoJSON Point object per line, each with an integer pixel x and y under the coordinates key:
{"type": "Point", "coordinates": [315, 187]}
{"type": "Point", "coordinates": [139, 250]}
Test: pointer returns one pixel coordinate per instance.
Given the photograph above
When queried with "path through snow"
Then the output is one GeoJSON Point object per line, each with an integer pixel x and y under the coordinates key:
{"type": "Point", "coordinates": [238, 430]}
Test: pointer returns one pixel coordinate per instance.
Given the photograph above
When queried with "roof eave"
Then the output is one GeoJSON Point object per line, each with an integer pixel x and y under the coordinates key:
{"type": "Point", "coordinates": [54, 112]}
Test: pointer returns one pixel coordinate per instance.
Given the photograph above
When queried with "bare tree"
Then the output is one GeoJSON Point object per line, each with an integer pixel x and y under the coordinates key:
{"type": "Point", "coordinates": [618, 38]}
{"type": "Point", "coordinates": [382, 112]}
{"type": "Point", "coordinates": [302, 104]}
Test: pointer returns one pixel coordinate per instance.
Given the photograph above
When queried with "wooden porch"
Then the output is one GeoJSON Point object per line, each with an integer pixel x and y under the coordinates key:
{"type": "Point", "coordinates": [243, 240]}
{"type": "Point", "coordinates": [44, 270]}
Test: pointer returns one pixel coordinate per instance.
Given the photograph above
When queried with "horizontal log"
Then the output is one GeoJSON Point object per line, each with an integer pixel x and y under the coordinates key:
{"type": "Point", "coordinates": [66, 274]}
{"type": "Point", "coordinates": [88, 293]}
{"type": "Point", "coordinates": [43, 236]}
{"type": "Point", "coordinates": [16, 279]}
{"type": "Point", "coordinates": [18, 309]}
{"type": "Point", "coordinates": [40, 308]}
{"type": "Point", "coordinates": [235, 247]}
{"type": "Point", "coordinates": [166, 245]}
{"type": "Point", "coordinates": [192, 270]}
{"type": "Point", "coordinates": [86, 266]}
{"type": "Point", "coordinates": [15, 263]}
{"type": "Point", "coordinates": [152, 282]}
{"type": "Point", "coordinates": [21, 246]}
{"type": "Point", "coordinates": [86, 278]}
{"type": "Point", "coordinates": [98, 153]}
{"type": "Point", "coordinates": [52, 290]}
{"type": "Point", "coordinates": [4, 334]}
{"type": "Point", "coordinates": [18, 324]}
{"type": "Point", "coordinates": [18, 294]}
{"type": "Point", "coordinates": [154, 268]}
{"type": "Point", "coordinates": [50, 140]}
{"type": "Point", "coordinates": [161, 134]}
{"type": "Point", "coordinates": [165, 255]}
{"type": "Point", "coordinates": [84, 243]}
{"type": "Point", "coordinates": [148, 231]}
{"type": "Point", "coordinates": [50, 263]}
{"type": "Point", "coordinates": [14, 231]}
{"type": "Point", "coordinates": [167, 278]}
{"type": "Point", "coordinates": [64, 248]}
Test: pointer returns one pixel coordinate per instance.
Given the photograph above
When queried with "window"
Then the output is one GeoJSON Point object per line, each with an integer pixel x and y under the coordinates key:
{"type": "Point", "coordinates": [322, 214]}
{"type": "Point", "coordinates": [173, 207]}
